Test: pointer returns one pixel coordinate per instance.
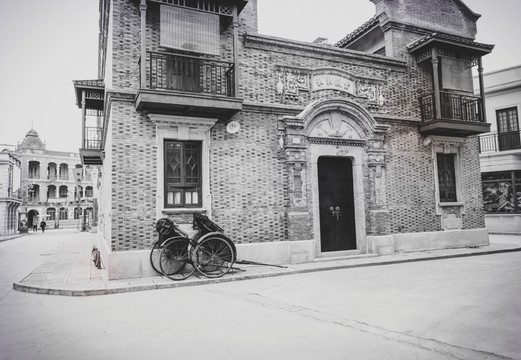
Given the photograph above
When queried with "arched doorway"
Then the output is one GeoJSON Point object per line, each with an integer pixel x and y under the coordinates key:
{"type": "Point", "coordinates": [32, 219]}
{"type": "Point", "coordinates": [335, 148]}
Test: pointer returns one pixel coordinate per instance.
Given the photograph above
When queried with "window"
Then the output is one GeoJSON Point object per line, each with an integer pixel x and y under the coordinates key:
{"type": "Point", "coordinates": [63, 214]}
{"type": "Point", "coordinates": [77, 213]}
{"type": "Point", "coordinates": [51, 171]}
{"type": "Point", "coordinates": [182, 174]}
{"type": "Point", "coordinates": [51, 214]}
{"type": "Point", "coordinates": [64, 172]}
{"type": "Point", "coordinates": [502, 192]}
{"type": "Point", "coordinates": [51, 192]}
{"type": "Point", "coordinates": [63, 191]}
{"type": "Point", "coordinates": [89, 192]}
{"type": "Point", "coordinates": [189, 30]}
{"type": "Point", "coordinates": [34, 170]}
{"type": "Point", "coordinates": [446, 177]}
{"type": "Point", "coordinates": [508, 129]}
{"type": "Point", "coordinates": [78, 192]}
{"type": "Point", "coordinates": [34, 193]}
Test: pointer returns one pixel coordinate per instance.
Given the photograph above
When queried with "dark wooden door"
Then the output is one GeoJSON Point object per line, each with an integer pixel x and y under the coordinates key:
{"type": "Point", "coordinates": [336, 202]}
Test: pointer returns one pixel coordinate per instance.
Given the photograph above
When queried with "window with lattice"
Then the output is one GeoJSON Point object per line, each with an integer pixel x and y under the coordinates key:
{"type": "Point", "coordinates": [182, 174]}
{"type": "Point", "coordinates": [446, 177]}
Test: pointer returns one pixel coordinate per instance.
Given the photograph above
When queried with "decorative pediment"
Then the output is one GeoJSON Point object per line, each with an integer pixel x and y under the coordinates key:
{"type": "Point", "coordinates": [293, 83]}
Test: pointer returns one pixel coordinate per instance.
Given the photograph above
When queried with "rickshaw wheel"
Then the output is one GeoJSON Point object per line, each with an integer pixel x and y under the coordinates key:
{"type": "Point", "coordinates": [213, 256]}
{"type": "Point", "coordinates": [155, 253]}
{"type": "Point", "coordinates": [174, 261]}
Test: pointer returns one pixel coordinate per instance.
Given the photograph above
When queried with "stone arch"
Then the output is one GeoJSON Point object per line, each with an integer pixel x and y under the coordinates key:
{"type": "Point", "coordinates": [338, 128]}
{"type": "Point", "coordinates": [338, 118]}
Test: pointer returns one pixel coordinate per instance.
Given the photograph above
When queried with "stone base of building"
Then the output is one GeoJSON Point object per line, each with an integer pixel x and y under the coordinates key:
{"type": "Point", "coordinates": [135, 264]}
{"type": "Point", "coordinates": [503, 223]}
{"type": "Point", "coordinates": [436, 240]}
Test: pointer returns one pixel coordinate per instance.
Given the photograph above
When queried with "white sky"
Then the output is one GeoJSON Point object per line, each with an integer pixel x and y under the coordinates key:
{"type": "Point", "coordinates": [47, 44]}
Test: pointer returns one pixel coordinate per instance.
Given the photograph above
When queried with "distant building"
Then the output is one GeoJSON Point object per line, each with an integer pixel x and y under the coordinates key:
{"type": "Point", "coordinates": [57, 187]}
{"type": "Point", "coordinates": [10, 196]}
{"type": "Point", "coordinates": [500, 151]}
{"type": "Point", "coordinates": [298, 150]}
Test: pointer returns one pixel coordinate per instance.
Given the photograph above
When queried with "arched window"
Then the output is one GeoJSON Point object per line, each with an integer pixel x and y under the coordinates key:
{"type": "Point", "coordinates": [89, 192]}
{"type": "Point", "coordinates": [63, 192]}
{"type": "Point", "coordinates": [78, 191]}
{"type": "Point", "coordinates": [52, 171]}
{"type": "Point", "coordinates": [77, 213]}
{"type": "Point", "coordinates": [63, 214]}
{"type": "Point", "coordinates": [80, 167]}
{"type": "Point", "coordinates": [34, 193]}
{"type": "Point", "coordinates": [64, 171]}
{"type": "Point", "coordinates": [51, 213]}
{"type": "Point", "coordinates": [51, 192]}
{"type": "Point", "coordinates": [34, 170]}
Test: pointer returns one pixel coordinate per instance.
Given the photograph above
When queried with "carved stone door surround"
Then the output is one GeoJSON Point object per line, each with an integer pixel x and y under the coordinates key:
{"type": "Point", "coordinates": [334, 127]}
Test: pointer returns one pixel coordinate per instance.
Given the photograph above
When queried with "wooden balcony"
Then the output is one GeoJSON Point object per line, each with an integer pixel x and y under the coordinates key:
{"type": "Point", "coordinates": [460, 115]}
{"type": "Point", "coordinates": [90, 97]}
{"type": "Point", "coordinates": [187, 85]}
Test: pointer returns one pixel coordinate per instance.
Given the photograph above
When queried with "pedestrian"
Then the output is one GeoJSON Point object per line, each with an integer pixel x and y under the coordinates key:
{"type": "Point", "coordinates": [35, 226]}
{"type": "Point", "coordinates": [43, 225]}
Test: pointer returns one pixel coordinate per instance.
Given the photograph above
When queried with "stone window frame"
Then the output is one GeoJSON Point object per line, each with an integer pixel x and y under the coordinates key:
{"type": "Point", "coordinates": [63, 213]}
{"type": "Point", "coordinates": [447, 145]}
{"type": "Point", "coordinates": [183, 186]}
{"type": "Point", "coordinates": [182, 128]}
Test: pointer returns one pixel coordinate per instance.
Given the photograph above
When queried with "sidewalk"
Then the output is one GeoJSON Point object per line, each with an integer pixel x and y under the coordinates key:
{"type": "Point", "coordinates": [70, 270]}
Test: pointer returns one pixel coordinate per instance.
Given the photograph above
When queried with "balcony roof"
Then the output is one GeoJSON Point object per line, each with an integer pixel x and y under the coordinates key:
{"type": "Point", "coordinates": [95, 93]}
{"type": "Point", "coordinates": [437, 38]}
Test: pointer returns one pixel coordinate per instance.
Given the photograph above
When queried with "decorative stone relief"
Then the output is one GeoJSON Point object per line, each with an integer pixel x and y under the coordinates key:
{"type": "Point", "coordinates": [292, 81]}
{"type": "Point", "coordinates": [336, 125]}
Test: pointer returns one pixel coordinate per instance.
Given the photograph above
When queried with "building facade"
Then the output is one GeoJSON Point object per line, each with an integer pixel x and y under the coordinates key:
{"type": "Point", "coordinates": [56, 187]}
{"type": "Point", "coordinates": [500, 151]}
{"type": "Point", "coordinates": [10, 197]}
{"type": "Point", "coordinates": [298, 150]}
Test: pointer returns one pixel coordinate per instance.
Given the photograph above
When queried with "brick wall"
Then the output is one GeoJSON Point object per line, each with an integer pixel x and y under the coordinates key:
{"type": "Point", "coordinates": [474, 215]}
{"type": "Point", "coordinates": [249, 183]}
{"type": "Point", "coordinates": [438, 15]}
{"type": "Point", "coordinates": [133, 178]}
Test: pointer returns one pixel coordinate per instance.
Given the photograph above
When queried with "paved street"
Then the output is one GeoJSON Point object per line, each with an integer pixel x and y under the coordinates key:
{"type": "Point", "coordinates": [459, 308]}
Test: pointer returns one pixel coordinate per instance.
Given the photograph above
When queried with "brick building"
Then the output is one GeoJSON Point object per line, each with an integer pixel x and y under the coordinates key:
{"type": "Point", "coordinates": [56, 187]}
{"type": "Point", "coordinates": [298, 150]}
{"type": "Point", "coordinates": [10, 199]}
{"type": "Point", "coordinates": [500, 151]}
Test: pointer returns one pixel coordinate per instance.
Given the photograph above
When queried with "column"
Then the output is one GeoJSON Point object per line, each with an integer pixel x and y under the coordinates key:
{"type": "Point", "coordinates": [436, 84]}
{"type": "Point", "coordinates": [143, 62]}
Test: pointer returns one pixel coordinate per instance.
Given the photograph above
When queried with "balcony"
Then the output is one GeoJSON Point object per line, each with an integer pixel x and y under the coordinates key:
{"type": "Point", "coordinates": [459, 115]}
{"type": "Point", "coordinates": [187, 85]}
{"type": "Point", "coordinates": [500, 142]}
{"type": "Point", "coordinates": [90, 97]}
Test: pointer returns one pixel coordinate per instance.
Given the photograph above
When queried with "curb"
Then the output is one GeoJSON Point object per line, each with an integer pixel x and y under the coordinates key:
{"type": "Point", "coordinates": [173, 284]}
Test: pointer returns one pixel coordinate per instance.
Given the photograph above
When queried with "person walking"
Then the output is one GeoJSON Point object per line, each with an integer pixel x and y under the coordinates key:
{"type": "Point", "coordinates": [43, 224]}
{"type": "Point", "coordinates": [35, 225]}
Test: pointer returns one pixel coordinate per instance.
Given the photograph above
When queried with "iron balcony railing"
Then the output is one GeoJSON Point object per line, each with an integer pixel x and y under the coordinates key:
{"type": "Point", "coordinates": [189, 74]}
{"type": "Point", "coordinates": [500, 141]}
{"type": "Point", "coordinates": [92, 138]}
{"type": "Point", "coordinates": [453, 107]}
